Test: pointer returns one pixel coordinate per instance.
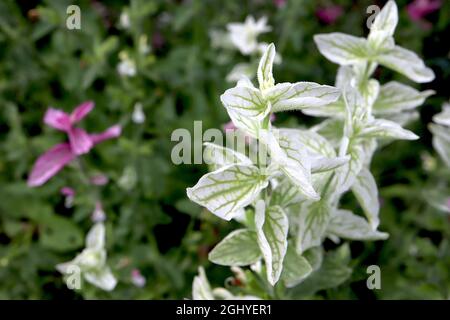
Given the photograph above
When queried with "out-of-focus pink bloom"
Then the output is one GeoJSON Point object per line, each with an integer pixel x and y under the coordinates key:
{"type": "Point", "coordinates": [67, 191]}
{"type": "Point", "coordinates": [99, 180]}
{"type": "Point", "coordinates": [279, 3]}
{"type": "Point", "coordinates": [157, 40]}
{"type": "Point", "coordinates": [418, 9]}
{"type": "Point", "coordinates": [98, 215]}
{"type": "Point", "coordinates": [137, 278]}
{"type": "Point", "coordinates": [78, 138]}
{"type": "Point", "coordinates": [80, 142]}
{"type": "Point", "coordinates": [111, 132]}
{"type": "Point", "coordinates": [329, 14]}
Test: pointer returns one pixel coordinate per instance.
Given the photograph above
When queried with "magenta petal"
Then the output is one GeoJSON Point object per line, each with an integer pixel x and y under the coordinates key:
{"type": "Point", "coordinates": [112, 132]}
{"type": "Point", "coordinates": [80, 141]}
{"type": "Point", "coordinates": [48, 164]}
{"type": "Point", "coordinates": [67, 191]}
{"type": "Point", "coordinates": [418, 9]}
{"type": "Point", "coordinates": [81, 111]}
{"type": "Point", "coordinates": [57, 119]}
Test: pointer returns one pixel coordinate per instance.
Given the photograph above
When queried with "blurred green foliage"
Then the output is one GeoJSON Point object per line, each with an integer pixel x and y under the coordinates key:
{"type": "Point", "coordinates": [150, 223]}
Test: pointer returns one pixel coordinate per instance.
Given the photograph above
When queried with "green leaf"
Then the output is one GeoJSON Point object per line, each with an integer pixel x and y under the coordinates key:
{"type": "Point", "coordinates": [239, 248]}
{"type": "Point", "coordinates": [296, 268]}
{"type": "Point", "coordinates": [345, 224]}
{"type": "Point", "coordinates": [272, 229]}
{"type": "Point", "coordinates": [314, 257]}
{"type": "Point", "coordinates": [225, 191]}
{"type": "Point", "coordinates": [60, 234]}
{"type": "Point", "coordinates": [333, 272]}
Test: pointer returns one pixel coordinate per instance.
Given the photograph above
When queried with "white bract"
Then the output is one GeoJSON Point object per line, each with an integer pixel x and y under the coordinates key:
{"type": "Point", "coordinates": [126, 66]}
{"type": "Point", "coordinates": [244, 38]}
{"type": "Point", "coordinates": [437, 196]}
{"type": "Point", "coordinates": [441, 133]}
{"type": "Point", "coordinates": [291, 201]}
{"type": "Point", "coordinates": [91, 262]}
{"type": "Point", "coordinates": [201, 290]}
{"type": "Point", "coordinates": [138, 115]}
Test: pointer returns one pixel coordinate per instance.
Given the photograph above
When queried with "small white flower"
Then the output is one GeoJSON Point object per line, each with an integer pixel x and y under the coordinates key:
{"type": "Point", "coordinates": [92, 261]}
{"type": "Point", "coordinates": [98, 215]}
{"type": "Point", "coordinates": [144, 48]}
{"type": "Point", "coordinates": [244, 35]}
{"type": "Point", "coordinates": [138, 115]}
{"type": "Point", "coordinates": [126, 67]}
{"type": "Point", "coordinates": [220, 39]}
{"type": "Point", "coordinates": [124, 20]}
{"type": "Point", "coordinates": [240, 71]}
{"type": "Point", "coordinates": [128, 179]}
{"type": "Point", "coordinates": [138, 279]}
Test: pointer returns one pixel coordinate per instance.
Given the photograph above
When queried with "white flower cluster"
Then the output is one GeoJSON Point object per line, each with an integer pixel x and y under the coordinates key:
{"type": "Point", "coordinates": [91, 262]}
{"type": "Point", "coordinates": [243, 37]}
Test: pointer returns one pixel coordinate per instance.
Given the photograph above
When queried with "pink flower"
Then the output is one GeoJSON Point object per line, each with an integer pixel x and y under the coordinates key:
{"type": "Point", "coordinates": [67, 191]}
{"type": "Point", "coordinates": [418, 9]}
{"type": "Point", "coordinates": [80, 142]}
{"type": "Point", "coordinates": [329, 14]}
{"type": "Point", "coordinates": [99, 180]}
{"type": "Point", "coordinates": [279, 3]}
{"type": "Point", "coordinates": [137, 278]}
